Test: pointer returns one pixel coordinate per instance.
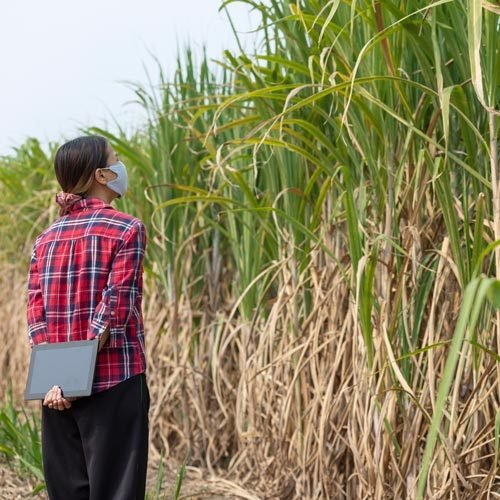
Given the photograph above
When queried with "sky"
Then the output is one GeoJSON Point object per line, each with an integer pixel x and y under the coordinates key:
{"type": "Point", "coordinates": [65, 63]}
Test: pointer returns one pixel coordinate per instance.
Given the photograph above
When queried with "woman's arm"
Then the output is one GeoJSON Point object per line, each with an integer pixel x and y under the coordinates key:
{"type": "Point", "coordinates": [37, 326]}
{"type": "Point", "coordinates": [122, 289]}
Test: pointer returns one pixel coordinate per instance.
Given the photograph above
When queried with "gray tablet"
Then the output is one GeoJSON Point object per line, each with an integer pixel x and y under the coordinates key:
{"type": "Point", "coordinates": [70, 365]}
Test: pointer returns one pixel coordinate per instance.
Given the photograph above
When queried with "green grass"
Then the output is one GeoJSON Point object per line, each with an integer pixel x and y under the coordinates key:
{"type": "Point", "coordinates": [20, 442]}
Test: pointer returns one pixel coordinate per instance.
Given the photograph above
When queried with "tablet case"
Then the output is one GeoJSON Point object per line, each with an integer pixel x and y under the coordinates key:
{"type": "Point", "coordinates": [70, 365]}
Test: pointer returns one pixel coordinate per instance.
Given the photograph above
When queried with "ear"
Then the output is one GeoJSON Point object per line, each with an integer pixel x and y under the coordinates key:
{"type": "Point", "coordinates": [100, 177]}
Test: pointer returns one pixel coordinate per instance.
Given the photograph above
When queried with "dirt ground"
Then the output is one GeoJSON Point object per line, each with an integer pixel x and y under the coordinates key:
{"type": "Point", "coordinates": [197, 484]}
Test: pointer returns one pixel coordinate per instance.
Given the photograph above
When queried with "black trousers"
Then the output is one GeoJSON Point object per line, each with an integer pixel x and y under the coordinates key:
{"type": "Point", "coordinates": [98, 449]}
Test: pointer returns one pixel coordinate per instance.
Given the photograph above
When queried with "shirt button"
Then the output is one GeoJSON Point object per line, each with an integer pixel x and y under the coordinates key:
{"type": "Point", "coordinates": [112, 313]}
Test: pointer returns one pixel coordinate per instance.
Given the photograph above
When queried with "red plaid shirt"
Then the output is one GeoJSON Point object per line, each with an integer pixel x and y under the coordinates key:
{"type": "Point", "coordinates": [85, 275]}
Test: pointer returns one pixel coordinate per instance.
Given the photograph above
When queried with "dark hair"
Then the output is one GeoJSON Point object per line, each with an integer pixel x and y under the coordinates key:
{"type": "Point", "coordinates": [77, 160]}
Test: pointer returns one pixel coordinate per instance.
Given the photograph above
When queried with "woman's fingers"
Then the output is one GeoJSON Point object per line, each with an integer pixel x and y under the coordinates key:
{"type": "Point", "coordinates": [49, 396]}
{"type": "Point", "coordinates": [55, 400]}
{"type": "Point", "coordinates": [61, 402]}
{"type": "Point", "coordinates": [58, 403]}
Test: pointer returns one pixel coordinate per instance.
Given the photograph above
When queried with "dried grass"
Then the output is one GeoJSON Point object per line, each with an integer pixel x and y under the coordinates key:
{"type": "Point", "coordinates": [288, 408]}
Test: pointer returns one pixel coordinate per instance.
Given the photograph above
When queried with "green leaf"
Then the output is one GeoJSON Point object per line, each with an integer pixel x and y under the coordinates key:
{"type": "Point", "coordinates": [494, 294]}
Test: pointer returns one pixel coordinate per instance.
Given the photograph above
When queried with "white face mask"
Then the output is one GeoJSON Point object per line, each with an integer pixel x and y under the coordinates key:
{"type": "Point", "coordinates": [120, 184]}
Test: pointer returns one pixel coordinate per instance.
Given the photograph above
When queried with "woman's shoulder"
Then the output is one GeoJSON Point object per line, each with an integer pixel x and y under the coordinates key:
{"type": "Point", "coordinates": [130, 222]}
{"type": "Point", "coordinates": [106, 222]}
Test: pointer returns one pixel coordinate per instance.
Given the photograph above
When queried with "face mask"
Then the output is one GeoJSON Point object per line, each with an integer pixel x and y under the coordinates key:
{"type": "Point", "coordinates": [120, 184]}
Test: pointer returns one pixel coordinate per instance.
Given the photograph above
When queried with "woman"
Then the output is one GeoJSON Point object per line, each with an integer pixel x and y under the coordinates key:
{"type": "Point", "coordinates": [85, 282]}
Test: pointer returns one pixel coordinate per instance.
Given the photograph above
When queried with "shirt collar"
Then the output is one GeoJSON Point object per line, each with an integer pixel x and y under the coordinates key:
{"type": "Point", "coordinates": [89, 203]}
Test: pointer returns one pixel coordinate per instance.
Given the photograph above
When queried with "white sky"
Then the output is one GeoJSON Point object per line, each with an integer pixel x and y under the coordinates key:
{"type": "Point", "coordinates": [64, 62]}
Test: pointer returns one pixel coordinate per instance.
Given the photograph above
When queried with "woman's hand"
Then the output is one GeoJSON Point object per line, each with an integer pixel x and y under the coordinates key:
{"type": "Point", "coordinates": [103, 338]}
{"type": "Point", "coordinates": [54, 399]}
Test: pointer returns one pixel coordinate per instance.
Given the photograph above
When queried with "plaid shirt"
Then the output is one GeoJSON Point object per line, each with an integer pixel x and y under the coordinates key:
{"type": "Point", "coordinates": [85, 275]}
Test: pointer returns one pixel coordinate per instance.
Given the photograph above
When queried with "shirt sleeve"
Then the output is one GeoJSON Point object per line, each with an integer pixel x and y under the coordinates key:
{"type": "Point", "coordinates": [122, 290]}
{"type": "Point", "coordinates": [37, 326]}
